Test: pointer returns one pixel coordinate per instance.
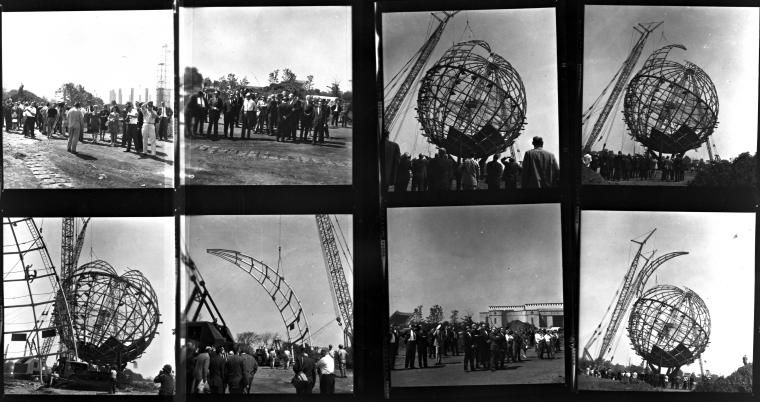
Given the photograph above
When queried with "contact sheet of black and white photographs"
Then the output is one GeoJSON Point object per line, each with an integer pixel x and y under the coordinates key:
{"type": "Point", "coordinates": [380, 200]}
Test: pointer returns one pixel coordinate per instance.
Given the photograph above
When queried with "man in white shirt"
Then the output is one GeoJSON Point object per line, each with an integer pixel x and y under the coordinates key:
{"type": "Point", "coordinates": [132, 118]}
{"type": "Point", "coordinates": [326, 370]}
{"type": "Point", "coordinates": [30, 113]}
{"type": "Point", "coordinates": [249, 115]}
{"type": "Point", "coordinates": [75, 120]}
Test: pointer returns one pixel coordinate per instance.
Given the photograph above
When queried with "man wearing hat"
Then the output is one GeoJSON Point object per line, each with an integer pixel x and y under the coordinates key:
{"type": "Point", "coordinates": [228, 106]}
{"type": "Point", "coordinates": [284, 110]}
{"type": "Point", "coordinates": [166, 379]}
{"type": "Point", "coordinates": [539, 167]}
{"type": "Point", "coordinates": [469, 350]}
{"type": "Point", "coordinates": [410, 342]}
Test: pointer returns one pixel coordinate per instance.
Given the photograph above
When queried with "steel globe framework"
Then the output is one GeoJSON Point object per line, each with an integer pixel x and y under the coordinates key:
{"type": "Point", "coordinates": [669, 327]}
{"type": "Point", "coordinates": [472, 101]}
{"type": "Point", "coordinates": [670, 107]}
{"type": "Point", "coordinates": [115, 317]}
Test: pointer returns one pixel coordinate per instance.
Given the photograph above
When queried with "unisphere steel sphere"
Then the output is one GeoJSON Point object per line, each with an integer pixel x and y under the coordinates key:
{"type": "Point", "coordinates": [115, 317]}
{"type": "Point", "coordinates": [670, 107]}
{"type": "Point", "coordinates": [669, 326]}
{"type": "Point", "coordinates": [472, 101]}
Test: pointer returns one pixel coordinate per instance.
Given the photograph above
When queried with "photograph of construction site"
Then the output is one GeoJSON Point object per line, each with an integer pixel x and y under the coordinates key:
{"type": "Point", "coordinates": [670, 96]}
{"type": "Point", "coordinates": [88, 306]}
{"type": "Point", "coordinates": [87, 99]}
{"type": "Point", "coordinates": [666, 301]}
{"type": "Point", "coordinates": [470, 100]}
{"type": "Point", "coordinates": [279, 113]}
{"type": "Point", "coordinates": [268, 304]}
{"type": "Point", "coordinates": [475, 296]}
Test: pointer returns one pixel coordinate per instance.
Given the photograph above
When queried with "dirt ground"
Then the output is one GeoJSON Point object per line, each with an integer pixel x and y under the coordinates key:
{"type": "Point", "coordinates": [591, 177]}
{"type": "Point", "coordinates": [43, 162]}
{"type": "Point", "coordinates": [451, 373]}
{"type": "Point", "coordinates": [604, 384]}
{"type": "Point", "coordinates": [261, 160]}
{"type": "Point", "coordinates": [26, 387]}
{"type": "Point", "coordinates": [277, 381]}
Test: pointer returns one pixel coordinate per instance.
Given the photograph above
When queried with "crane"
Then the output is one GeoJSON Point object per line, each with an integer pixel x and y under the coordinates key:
{"type": "Point", "coordinates": [622, 80]}
{"type": "Point", "coordinates": [633, 286]}
{"type": "Point", "coordinates": [338, 284]}
{"type": "Point", "coordinates": [424, 54]}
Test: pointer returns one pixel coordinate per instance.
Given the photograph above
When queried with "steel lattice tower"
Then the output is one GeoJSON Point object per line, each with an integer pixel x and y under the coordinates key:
{"type": "Point", "coordinates": [338, 283]}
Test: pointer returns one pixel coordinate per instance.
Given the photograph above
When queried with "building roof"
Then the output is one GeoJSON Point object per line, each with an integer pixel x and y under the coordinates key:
{"type": "Point", "coordinates": [399, 318]}
{"type": "Point", "coordinates": [529, 306]}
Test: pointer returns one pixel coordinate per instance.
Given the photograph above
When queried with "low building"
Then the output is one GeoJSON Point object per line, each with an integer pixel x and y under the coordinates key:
{"type": "Point", "coordinates": [541, 315]}
{"type": "Point", "coordinates": [400, 320]}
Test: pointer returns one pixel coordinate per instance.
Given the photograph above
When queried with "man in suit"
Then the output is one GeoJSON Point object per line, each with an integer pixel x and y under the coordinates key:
{"type": "Point", "coordinates": [321, 114]}
{"type": "Point", "coordinates": [233, 373]}
{"type": "Point", "coordinates": [249, 368]}
{"type": "Point", "coordinates": [228, 106]}
{"type": "Point", "coordinates": [216, 372]}
{"type": "Point", "coordinates": [539, 167]}
{"type": "Point", "coordinates": [75, 118]}
{"type": "Point", "coordinates": [164, 117]}
{"type": "Point", "coordinates": [195, 113]}
{"type": "Point", "coordinates": [200, 369]}
{"type": "Point", "coordinates": [394, 341]}
{"type": "Point", "coordinates": [284, 110]}
{"type": "Point", "coordinates": [422, 347]}
{"type": "Point", "coordinates": [305, 364]}
{"type": "Point", "coordinates": [469, 350]}
{"type": "Point", "coordinates": [214, 111]}
{"type": "Point", "coordinates": [410, 341]}
{"type": "Point", "coordinates": [307, 119]}
{"type": "Point", "coordinates": [272, 115]}
{"type": "Point", "coordinates": [295, 117]}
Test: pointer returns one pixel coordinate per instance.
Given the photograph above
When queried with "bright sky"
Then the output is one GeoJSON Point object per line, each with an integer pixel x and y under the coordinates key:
{"type": "Point", "coordinates": [254, 41]}
{"type": "Point", "coordinates": [722, 41]}
{"type": "Point", "coordinates": [144, 244]}
{"type": "Point", "coordinates": [100, 50]}
{"type": "Point", "coordinates": [244, 305]}
{"type": "Point", "coordinates": [719, 268]}
{"type": "Point", "coordinates": [470, 257]}
{"type": "Point", "coordinates": [526, 38]}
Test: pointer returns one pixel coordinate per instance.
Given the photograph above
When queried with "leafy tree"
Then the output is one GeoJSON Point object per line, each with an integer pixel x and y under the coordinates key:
{"type": "Point", "coordinates": [335, 88]}
{"type": "Point", "coordinates": [23, 96]}
{"type": "Point", "coordinates": [71, 94]}
{"type": "Point", "coordinates": [309, 84]}
{"type": "Point", "coordinates": [288, 75]}
{"type": "Point", "coordinates": [454, 317]}
{"type": "Point", "coordinates": [273, 77]}
{"type": "Point", "coordinates": [436, 314]}
{"type": "Point", "coordinates": [416, 315]}
{"type": "Point", "coordinates": [192, 80]}
{"type": "Point", "coordinates": [347, 96]}
{"type": "Point", "coordinates": [741, 172]}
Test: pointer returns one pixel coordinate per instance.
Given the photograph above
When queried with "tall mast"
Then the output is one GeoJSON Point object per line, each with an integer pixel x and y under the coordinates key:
{"type": "Point", "coordinates": [625, 75]}
{"type": "Point", "coordinates": [427, 49]}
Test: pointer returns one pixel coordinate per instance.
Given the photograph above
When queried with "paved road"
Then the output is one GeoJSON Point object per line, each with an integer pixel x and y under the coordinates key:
{"type": "Point", "coordinates": [532, 371]}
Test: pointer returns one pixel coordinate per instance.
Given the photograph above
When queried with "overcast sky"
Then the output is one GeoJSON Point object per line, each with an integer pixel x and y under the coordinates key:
{"type": "Point", "coordinates": [144, 244]}
{"type": "Point", "coordinates": [722, 41]}
{"type": "Point", "coordinates": [468, 258]}
{"type": "Point", "coordinates": [243, 303]}
{"type": "Point", "coordinates": [100, 50]}
{"type": "Point", "coordinates": [526, 38]}
{"type": "Point", "coordinates": [254, 41]}
{"type": "Point", "coordinates": [719, 268]}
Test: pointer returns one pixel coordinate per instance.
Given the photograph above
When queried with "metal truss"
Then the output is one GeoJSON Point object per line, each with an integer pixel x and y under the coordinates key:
{"type": "Point", "coordinates": [286, 301]}
{"type": "Point", "coordinates": [472, 101]}
{"type": "Point", "coordinates": [669, 326]}
{"type": "Point", "coordinates": [670, 107]}
{"type": "Point", "coordinates": [338, 284]}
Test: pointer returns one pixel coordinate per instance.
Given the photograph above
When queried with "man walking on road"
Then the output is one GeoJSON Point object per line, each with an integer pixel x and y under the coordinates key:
{"type": "Point", "coordinates": [75, 119]}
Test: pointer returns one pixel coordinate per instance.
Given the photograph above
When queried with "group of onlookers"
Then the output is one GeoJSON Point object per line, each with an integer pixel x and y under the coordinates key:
{"type": "Point", "coordinates": [284, 115]}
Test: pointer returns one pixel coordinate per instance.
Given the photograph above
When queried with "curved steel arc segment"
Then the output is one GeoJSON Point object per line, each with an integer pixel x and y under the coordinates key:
{"type": "Point", "coordinates": [286, 301]}
{"type": "Point", "coordinates": [648, 270]}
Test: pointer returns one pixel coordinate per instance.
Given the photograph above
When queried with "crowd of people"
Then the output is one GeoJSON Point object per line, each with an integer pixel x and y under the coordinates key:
{"type": "Point", "coordinates": [217, 370]}
{"type": "Point", "coordinates": [675, 380]}
{"type": "Point", "coordinates": [285, 115]}
{"type": "Point", "coordinates": [484, 346]}
{"type": "Point", "coordinates": [623, 167]}
{"type": "Point", "coordinates": [444, 172]}
{"type": "Point", "coordinates": [141, 124]}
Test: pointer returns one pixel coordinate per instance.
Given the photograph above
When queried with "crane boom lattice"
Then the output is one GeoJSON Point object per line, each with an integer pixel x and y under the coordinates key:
{"type": "Point", "coordinates": [337, 277]}
{"type": "Point", "coordinates": [623, 78]}
{"type": "Point", "coordinates": [427, 49]}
